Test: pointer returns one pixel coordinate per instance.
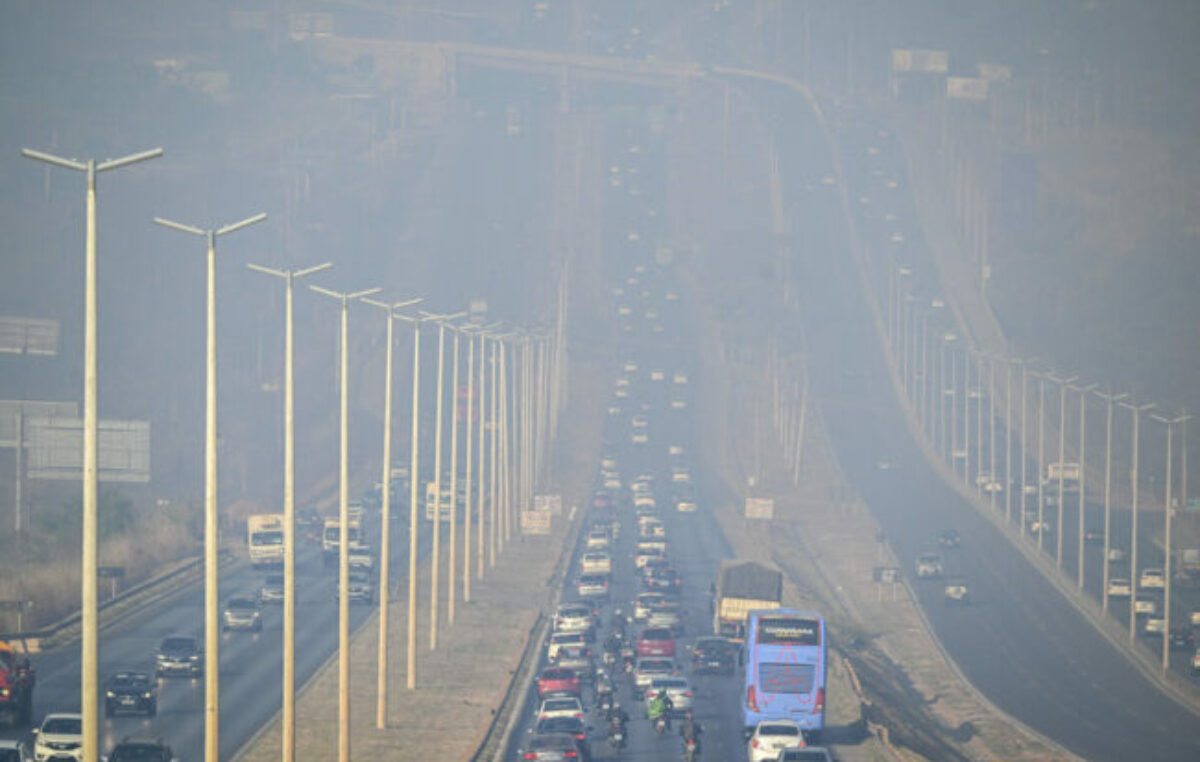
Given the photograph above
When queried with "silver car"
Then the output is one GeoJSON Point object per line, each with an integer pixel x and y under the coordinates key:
{"type": "Point", "coordinates": [241, 613]}
{"type": "Point", "coordinates": [679, 692]}
{"type": "Point", "coordinates": [650, 667]}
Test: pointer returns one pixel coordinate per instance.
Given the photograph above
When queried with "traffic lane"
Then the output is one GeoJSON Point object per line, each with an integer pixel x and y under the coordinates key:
{"type": "Point", "coordinates": [131, 644]}
{"type": "Point", "coordinates": [1021, 643]}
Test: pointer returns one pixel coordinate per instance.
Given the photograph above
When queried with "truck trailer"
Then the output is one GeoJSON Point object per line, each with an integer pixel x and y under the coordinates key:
{"type": "Point", "coordinates": [741, 587]}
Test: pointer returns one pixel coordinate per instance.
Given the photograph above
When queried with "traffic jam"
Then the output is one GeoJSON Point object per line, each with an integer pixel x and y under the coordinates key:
{"type": "Point", "coordinates": [637, 664]}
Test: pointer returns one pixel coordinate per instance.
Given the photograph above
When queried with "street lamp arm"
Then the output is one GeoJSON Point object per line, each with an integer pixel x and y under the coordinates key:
{"type": "Point", "coordinates": [244, 223]}
{"type": "Point", "coordinates": [311, 270]}
{"type": "Point", "coordinates": [132, 158]}
{"type": "Point", "coordinates": [179, 226]}
{"type": "Point", "coordinates": [267, 270]}
{"type": "Point", "coordinates": [50, 158]}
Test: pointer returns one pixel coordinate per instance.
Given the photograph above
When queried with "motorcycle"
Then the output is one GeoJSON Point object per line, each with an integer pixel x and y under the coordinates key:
{"type": "Point", "coordinates": [616, 735]}
{"type": "Point", "coordinates": [660, 724]}
{"type": "Point", "coordinates": [691, 750]}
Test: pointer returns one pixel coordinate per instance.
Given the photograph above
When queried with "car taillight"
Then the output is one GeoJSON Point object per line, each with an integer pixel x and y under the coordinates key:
{"type": "Point", "coordinates": [530, 755]}
{"type": "Point", "coordinates": [687, 694]}
{"type": "Point", "coordinates": [572, 754]}
{"type": "Point", "coordinates": [752, 699]}
{"type": "Point", "coordinates": [754, 743]}
{"type": "Point", "coordinates": [579, 715]}
{"type": "Point", "coordinates": [581, 736]}
{"type": "Point", "coordinates": [820, 705]}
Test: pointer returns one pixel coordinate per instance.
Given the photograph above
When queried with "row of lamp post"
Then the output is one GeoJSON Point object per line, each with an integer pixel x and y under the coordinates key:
{"type": "Point", "coordinates": [541, 369]}
{"type": "Point", "coordinates": [940, 387]}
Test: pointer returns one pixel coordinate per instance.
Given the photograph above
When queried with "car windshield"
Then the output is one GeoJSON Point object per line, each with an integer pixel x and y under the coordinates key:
{"type": "Point", "coordinates": [778, 730]}
{"type": "Point", "coordinates": [178, 644]}
{"type": "Point", "coordinates": [560, 725]}
{"type": "Point", "coordinates": [138, 754]}
{"type": "Point", "coordinates": [130, 679]}
{"type": "Point", "coordinates": [558, 705]}
{"type": "Point", "coordinates": [657, 633]}
{"type": "Point", "coordinates": [63, 726]}
{"type": "Point", "coordinates": [655, 665]}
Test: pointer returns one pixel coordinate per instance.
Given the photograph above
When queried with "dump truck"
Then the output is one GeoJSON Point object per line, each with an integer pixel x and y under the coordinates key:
{"type": "Point", "coordinates": [17, 678]}
{"type": "Point", "coordinates": [264, 539]}
{"type": "Point", "coordinates": [742, 587]}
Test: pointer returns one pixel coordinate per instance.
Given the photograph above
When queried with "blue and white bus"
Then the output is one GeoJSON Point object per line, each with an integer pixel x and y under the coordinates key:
{"type": "Point", "coordinates": [785, 663]}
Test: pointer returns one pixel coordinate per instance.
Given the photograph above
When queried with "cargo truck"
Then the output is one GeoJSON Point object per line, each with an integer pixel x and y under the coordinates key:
{"type": "Point", "coordinates": [264, 539]}
{"type": "Point", "coordinates": [331, 538]}
{"type": "Point", "coordinates": [17, 678]}
{"type": "Point", "coordinates": [742, 587]}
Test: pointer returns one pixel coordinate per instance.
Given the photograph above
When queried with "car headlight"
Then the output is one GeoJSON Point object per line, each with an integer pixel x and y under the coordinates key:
{"type": "Point", "coordinates": [194, 657]}
{"type": "Point", "coordinates": [110, 694]}
{"type": "Point", "coordinates": [4, 691]}
{"type": "Point", "coordinates": [147, 695]}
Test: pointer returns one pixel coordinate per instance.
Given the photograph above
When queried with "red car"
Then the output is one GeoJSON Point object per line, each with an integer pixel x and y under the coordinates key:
{"type": "Point", "coordinates": [557, 680]}
{"type": "Point", "coordinates": [656, 641]}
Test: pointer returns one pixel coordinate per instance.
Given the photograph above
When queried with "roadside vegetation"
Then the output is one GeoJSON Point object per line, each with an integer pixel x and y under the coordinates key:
{"type": "Point", "coordinates": [43, 564]}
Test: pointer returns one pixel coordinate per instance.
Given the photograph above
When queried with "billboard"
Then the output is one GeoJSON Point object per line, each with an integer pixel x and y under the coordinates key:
{"type": "Point", "coordinates": [967, 88]}
{"type": "Point", "coordinates": [931, 61]}
{"type": "Point", "coordinates": [55, 447]}
{"type": "Point", "coordinates": [535, 522]}
{"type": "Point", "coordinates": [760, 508]}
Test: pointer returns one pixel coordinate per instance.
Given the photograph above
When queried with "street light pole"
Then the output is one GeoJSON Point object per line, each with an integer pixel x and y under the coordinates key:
{"type": "Point", "coordinates": [381, 668]}
{"type": "Point", "coordinates": [344, 523]}
{"type": "Point", "coordinates": [89, 684]}
{"type": "Point", "coordinates": [1136, 410]}
{"type": "Point", "coordinates": [414, 477]}
{"type": "Point", "coordinates": [1109, 399]}
{"type": "Point", "coordinates": [1063, 383]}
{"type": "Point", "coordinates": [1168, 510]}
{"type": "Point", "coordinates": [1083, 393]}
{"type": "Point", "coordinates": [435, 556]}
{"type": "Point", "coordinates": [212, 632]}
{"type": "Point", "coordinates": [289, 510]}
{"type": "Point", "coordinates": [467, 506]}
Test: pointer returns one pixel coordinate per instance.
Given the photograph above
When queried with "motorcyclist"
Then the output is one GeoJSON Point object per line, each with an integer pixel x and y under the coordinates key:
{"type": "Point", "coordinates": [616, 715]}
{"type": "Point", "coordinates": [613, 643]}
{"type": "Point", "coordinates": [659, 706]}
{"type": "Point", "coordinates": [689, 729]}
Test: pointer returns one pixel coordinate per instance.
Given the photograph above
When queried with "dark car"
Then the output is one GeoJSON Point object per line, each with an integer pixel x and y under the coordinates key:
{"type": "Point", "coordinates": [713, 654]}
{"type": "Point", "coordinates": [662, 578]}
{"type": "Point", "coordinates": [949, 538]}
{"type": "Point", "coordinates": [572, 725]}
{"type": "Point", "coordinates": [130, 692]}
{"type": "Point", "coordinates": [806, 754]}
{"type": "Point", "coordinates": [179, 655]}
{"type": "Point", "coordinates": [141, 750]}
{"type": "Point", "coordinates": [1182, 638]}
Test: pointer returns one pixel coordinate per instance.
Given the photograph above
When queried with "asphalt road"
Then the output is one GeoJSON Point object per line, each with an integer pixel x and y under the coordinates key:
{"type": "Point", "coordinates": [1019, 642]}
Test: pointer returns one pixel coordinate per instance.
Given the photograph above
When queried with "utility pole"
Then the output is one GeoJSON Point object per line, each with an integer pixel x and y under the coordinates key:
{"type": "Point", "coordinates": [1136, 410]}
{"type": "Point", "coordinates": [343, 522]}
{"type": "Point", "coordinates": [89, 620]}
{"type": "Point", "coordinates": [212, 539]}
{"type": "Point", "coordinates": [288, 742]}
{"type": "Point", "coordinates": [385, 588]}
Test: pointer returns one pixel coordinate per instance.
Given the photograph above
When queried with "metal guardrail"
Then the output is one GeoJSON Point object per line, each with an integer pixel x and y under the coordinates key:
{"type": "Point", "coordinates": [67, 629]}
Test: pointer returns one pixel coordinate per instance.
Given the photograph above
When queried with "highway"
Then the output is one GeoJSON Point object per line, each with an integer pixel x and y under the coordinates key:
{"type": "Point", "coordinates": [1019, 642]}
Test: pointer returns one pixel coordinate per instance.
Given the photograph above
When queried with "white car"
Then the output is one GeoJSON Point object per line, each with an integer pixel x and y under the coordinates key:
{"type": "Point", "coordinates": [644, 603]}
{"type": "Point", "coordinates": [679, 691]}
{"type": "Point", "coordinates": [639, 421]}
{"type": "Point", "coordinates": [1152, 579]}
{"type": "Point", "coordinates": [680, 378]}
{"type": "Point", "coordinates": [560, 639]}
{"type": "Point", "coordinates": [597, 539]}
{"type": "Point", "coordinates": [771, 737]}
{"type": "Point", "coordinates": [1154, 625]}
{"type": "Point", "coordinates": [560, 706]}
{"type": "Point", "coordinates": [678, 404]}
{"type": "Point", "coordinates": [60, 736]}
{"type": "Point", "coordinates": [1119, 588]}
{"type": "Point", "coordinates": [644, 500]}
{"type": "Point", "coordinates": [639, 437]}
{"type": "Point", "coordinates": [573, 617]}
{"type": "Point", "coordinates": [650, 667]}
{"type": "Point", "coordinates": [681, 475]}
{"type": "Point", "coordinates": [929, 565]}
{"type": "Point", "coordinates": [675, 450]}
{"type": "Point", "coordinates": [596, 562]}
{"type": "Point", "coordinates": [656, 375]}
{"type": "Point", "coordinates": [1144, 605]}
